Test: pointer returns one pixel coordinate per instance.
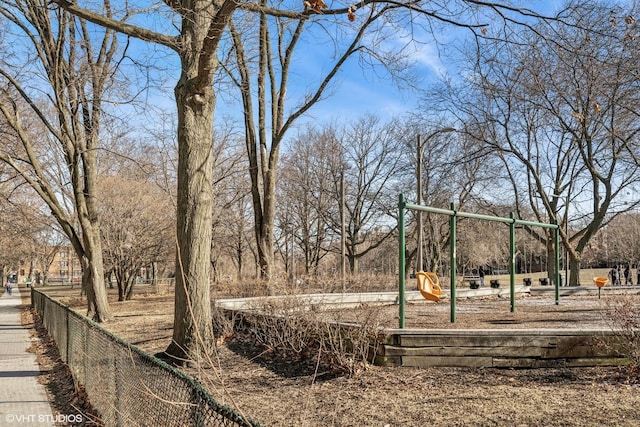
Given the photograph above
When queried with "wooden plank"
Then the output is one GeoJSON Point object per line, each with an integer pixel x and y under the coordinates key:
{"type": "Point", "coordinates": [508, 349]}
{"type": "Point", "coordinates": [531, 351]}
{"type": "Point", "coordinates": [392, 339]}
{"type": "Point", "coordinates": [557, 363]}
{"type": "Point", "coordinates": [499, 332]}
{"type": "Point", "coordinates": [571, 352]}
{"type": "Point", "coordinates": [387, 360]}
{"type": "Point", "coordinates": [458, 362]}
{"type": "Point", "coordinates": [477, 340]}
{"type": "Point", "coordinates": [507, 362]}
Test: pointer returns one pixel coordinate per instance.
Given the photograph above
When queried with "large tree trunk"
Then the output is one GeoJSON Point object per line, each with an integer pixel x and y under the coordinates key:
{"type": "Point", "coordinates": [575, 261]}
{"type": "Point", "coordinates": [90, 255]}
{"type": "Point", "coordinates": [203, 24]}
{"type": "Point", "coordinates": [98, 308]}
{"type": "Point", "coordinates": [265, 251]}
{"type": "Point", "coordinates": [551, 264]}
{"type": "Point", "coordinates": [84, 176]}
{"type": "Point", "coordinates": [264, 234]}
{"type": "Point", "coordinates": [192, 329]}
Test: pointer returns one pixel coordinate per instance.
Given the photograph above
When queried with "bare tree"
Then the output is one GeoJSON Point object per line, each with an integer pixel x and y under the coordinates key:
{"type": "Point", "coordinates": [55, 128]}
{"type": "Point", "coordinates": [231, 215]}
{"type": "Point", "coordinates": [234, 237]}
{"type": "Point", "coordinates": [565, 133]}
{"type": "Point", "coordinates": [19, 228]}
{"type": "Point", "coordinates": [302, 190]}
{"type": "Point", "coordinates": [622, 244]}
{"type": "Point", "coordinates": [371, 166]}
{"type": "Point", "coordinates": [267, 119]}
{"type": "Point", "coordinates": [137, 228]}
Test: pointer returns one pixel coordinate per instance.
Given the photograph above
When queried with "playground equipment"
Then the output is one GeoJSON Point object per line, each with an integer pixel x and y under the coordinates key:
{"type": "Point", "coordinates": [453, 214]}
{"type": "Point", "coordinates": [600, 282]}
{"type": "Point", "coordinates": [429, 286]}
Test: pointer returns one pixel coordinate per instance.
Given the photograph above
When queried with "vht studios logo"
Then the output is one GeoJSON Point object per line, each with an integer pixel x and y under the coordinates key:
{"type": "Point", "coordinates": [44, 418]}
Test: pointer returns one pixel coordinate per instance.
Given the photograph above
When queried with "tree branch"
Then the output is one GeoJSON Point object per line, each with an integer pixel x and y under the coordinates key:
{"type": "Point", "coordinates": [119, 26]}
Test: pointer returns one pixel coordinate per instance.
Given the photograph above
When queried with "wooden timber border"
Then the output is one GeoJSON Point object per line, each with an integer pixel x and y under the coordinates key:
{"type": "Point", "coordinates": [479, 348]}
{"type": "Point", "coordinates": [499, 348]}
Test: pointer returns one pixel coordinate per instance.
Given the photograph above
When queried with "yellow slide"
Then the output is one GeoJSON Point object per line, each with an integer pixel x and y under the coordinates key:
{"type": "Point", "coordinates": [429, 286]}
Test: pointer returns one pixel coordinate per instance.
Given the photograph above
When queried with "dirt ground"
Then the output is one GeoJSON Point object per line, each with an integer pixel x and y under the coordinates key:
{"type": "Point", "coordinates": [277, 392]}
{"type": "Point", "coordinates": [493, 312]}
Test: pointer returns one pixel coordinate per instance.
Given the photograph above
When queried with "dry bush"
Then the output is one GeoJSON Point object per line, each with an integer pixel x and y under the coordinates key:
{"type": "Point", "coordinates": [224, 322]}
{"type": "Point", "coordinates": [236, 289]}
{"type": "Point", "coordinates": [289, 329]}
{"type": "Point", "coordinates": [623, 315]}
{"type": "Point", "coordinates": [352, 345]}
{"type": "Point", "coordinates": [282, 325]}
{"type": "Point", "coordinates": [295, 330]}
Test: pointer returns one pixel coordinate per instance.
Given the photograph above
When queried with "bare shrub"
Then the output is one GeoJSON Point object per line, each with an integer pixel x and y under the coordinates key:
{"type": "Point", "coordinates": [623, 315]}
{"type": "Point", "coordinates": [289, 328]}
{"type": "Point", "coordinates": [224, 322]}
{"type": "Point", "coordinates": [296, 330]}
{"type": "Point", "coordinates": [239, 289]}
{"type": "Point", "coordinates": [352, 345]}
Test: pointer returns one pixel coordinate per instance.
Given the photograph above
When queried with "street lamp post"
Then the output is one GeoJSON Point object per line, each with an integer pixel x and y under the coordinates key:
{"type": "Point", "coordinates": [420, 147]}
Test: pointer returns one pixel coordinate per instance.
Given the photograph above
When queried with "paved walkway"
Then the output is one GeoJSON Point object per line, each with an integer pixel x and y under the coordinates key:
{"type": "Point", "coordinates": [23, 400]}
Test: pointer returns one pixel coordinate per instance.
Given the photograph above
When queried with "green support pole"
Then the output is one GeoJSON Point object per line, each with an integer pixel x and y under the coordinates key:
{"type": "Point", "coordinates": [401, 261]}
{"type": "Point", "coordinates": [452, 254]}
{"type": "Point", "coordinates": [512, 262]}
{"type": "Point", "coordinates": [556, 251]}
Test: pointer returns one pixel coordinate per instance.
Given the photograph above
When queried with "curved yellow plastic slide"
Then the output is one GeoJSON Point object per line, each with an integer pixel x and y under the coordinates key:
{"type": "Point", "coordinates": [429, 286]}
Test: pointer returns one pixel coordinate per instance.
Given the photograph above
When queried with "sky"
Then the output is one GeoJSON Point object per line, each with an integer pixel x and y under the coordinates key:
{"type": "Point", "coordinates": [354, 91]}
{"type": "Point", "coordinates": [358, 92]}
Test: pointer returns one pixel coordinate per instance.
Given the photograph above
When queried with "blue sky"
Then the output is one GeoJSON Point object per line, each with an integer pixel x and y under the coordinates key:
{"type": "Point", "coordinates": [354, 92]}
{"type": "Point", "coordinates": [357, 93]}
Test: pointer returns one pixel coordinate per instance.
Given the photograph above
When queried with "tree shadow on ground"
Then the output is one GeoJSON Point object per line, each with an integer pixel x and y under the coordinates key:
{"type": "Point", "coordinates": [305, 364]}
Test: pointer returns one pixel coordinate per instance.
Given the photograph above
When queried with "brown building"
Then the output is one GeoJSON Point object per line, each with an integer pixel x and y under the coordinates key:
{"type": "Point", "coordinates": [62, 265]}
{"type": "Point", "coordinates": [65, 266]}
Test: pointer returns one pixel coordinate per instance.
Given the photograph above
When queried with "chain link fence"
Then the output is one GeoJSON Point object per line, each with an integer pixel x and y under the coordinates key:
{"type": "Point", "coordinates": [127, 386]}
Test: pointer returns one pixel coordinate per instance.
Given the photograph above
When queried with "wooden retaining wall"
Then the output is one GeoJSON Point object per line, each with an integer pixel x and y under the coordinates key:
{"type": "Point", "coordinates": [498, 348]}
{"type": "Point", "coordinates": [504, 348]}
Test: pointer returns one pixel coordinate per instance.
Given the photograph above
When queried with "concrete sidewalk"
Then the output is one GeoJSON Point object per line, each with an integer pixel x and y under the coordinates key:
{"type": "Point", "coordinates": [23, 400]}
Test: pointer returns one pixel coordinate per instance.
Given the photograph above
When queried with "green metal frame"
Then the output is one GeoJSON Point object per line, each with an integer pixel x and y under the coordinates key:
{"type": "Point", "coordinates": [403, 206]}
